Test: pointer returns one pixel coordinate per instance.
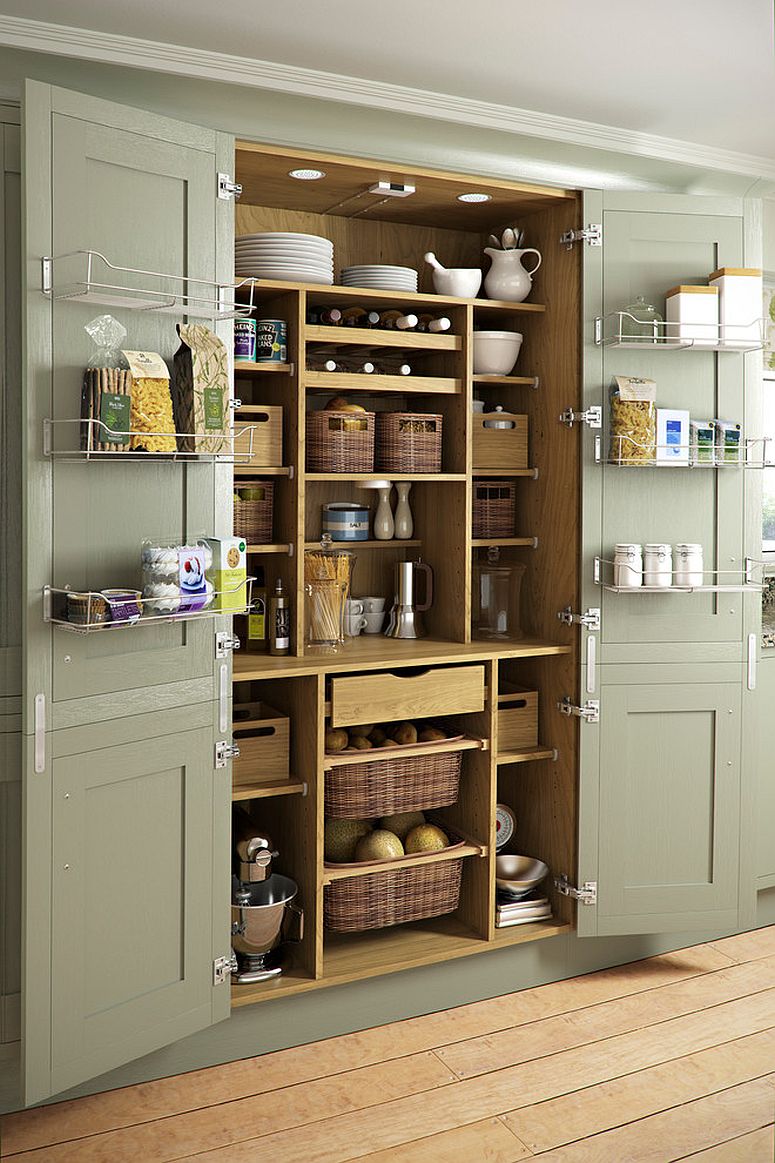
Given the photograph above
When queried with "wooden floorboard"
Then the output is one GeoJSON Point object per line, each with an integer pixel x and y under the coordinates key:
{"type": "Point", "coordinates": [664, 1059]}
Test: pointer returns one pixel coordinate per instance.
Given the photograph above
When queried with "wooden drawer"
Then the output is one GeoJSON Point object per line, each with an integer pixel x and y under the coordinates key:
{"type": "Point", "coordinates": [374, 698]}
{"type": "Point", "coordinates": [263, 739]}
{"type": "Point", "coordinates": [499, 447]}
{"type": "Point", "coordinates": [267, 424]}
{"type": "Point", "coordinates": [517, 719]}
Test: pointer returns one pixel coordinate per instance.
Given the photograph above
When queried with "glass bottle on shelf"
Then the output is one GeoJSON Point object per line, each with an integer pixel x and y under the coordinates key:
{"type": "Point", "coordinates": [640, 320]}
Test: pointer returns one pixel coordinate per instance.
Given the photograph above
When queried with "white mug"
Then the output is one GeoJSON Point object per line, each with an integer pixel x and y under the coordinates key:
{"type": "Point", "coordinates": [373, 605]}
{"type": "Point", "coordinates": [353, 624]}
{"type": "Point", "coordinates": [352, 607]}
{"type": "Point", "coordinates": [373, 622]}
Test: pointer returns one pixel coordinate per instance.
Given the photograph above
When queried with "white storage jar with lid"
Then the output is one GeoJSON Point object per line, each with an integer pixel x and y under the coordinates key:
{"type": "Point", "coordinates": [688, 564]}
{"type": "Point", "coordinates": [691, 314]}
{"type": "Point", "coordinates": [628, 565]}
{"type": "Point", "coordinates": [739, 304]}
{"type": "Point", "coordinates": [658, 565]}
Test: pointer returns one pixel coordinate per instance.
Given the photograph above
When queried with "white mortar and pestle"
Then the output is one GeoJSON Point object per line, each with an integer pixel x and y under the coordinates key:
{"type": "Point", "coordinates": [457, 282]}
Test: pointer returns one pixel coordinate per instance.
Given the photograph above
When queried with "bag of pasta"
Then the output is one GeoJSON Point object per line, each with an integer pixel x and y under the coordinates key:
{"type": "Point", "coordinates": [633, 427]}
{"type": "Point", "coordinates": [200, 390]}
{"type": "Point", "coordinates": [153, 429]}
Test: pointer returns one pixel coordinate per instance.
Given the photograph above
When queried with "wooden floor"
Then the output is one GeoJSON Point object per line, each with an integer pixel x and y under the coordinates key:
{"type": "Point", "coordinates": [665, 1059]}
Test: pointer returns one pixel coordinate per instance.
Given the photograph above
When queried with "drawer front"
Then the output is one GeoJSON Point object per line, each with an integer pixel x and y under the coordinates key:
{"type": "Point", "coordinates": [369, 698]}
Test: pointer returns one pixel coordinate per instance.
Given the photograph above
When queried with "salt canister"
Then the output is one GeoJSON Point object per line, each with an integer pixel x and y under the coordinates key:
{"type": "Point", "coordinates": [245, 339]}
{"type": "Point", "coordinates": [688, 564]}
{"type": "Point", "coordinates": [658, 565]}
{"type": "Point", "coordinates": [628, 565]}
{"type": "Point", "coordinates": [691, 315]}
{"type": "Point", "coordinates": [739, 304]}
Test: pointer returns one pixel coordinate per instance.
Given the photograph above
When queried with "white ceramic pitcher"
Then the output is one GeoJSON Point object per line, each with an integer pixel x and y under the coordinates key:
{"type": "Point", "coordinates": [507, 278]}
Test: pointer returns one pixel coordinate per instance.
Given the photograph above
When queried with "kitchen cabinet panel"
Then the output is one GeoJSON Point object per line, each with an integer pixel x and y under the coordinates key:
{"type": "Point", "coordinates": [10, 410]}
{"type": "Point", "coordinates": [663, 845]}
{"type": "Point", "coordinates": [764, 759]}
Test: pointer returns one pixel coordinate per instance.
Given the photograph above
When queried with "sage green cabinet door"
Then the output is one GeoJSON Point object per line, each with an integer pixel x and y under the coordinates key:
{"type": "Point", "coordinates": [10, 417]}
{"type": "Point", "coordinates": [131, 901]}
{"type": "Point", "coordinates": [142, 191]}
{"type": "Point", "coordinates": [651, 244]}
{"type": "Point", "coordinates": [664, 847]}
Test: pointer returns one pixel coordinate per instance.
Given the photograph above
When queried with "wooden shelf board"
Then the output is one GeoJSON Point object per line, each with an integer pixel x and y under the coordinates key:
{"type": "Point", "coordinates": [347, 758]}
{"type": "Point", "coordinates": [375, 652]}
{"type": "Point", "coordinates": [268, 548]}
{"type": "Point", "coordinates": [291, 981]}
{"type": "Point", "coordinates": [417, 477]}
{"type": "Point", "coordinates": [503, 472]}
{"type": "Point", "coordinates": [505, 380]}
{"type": "Point", "coordinates": [357, 546]}
{"type": "Point", "coordinates": [485, 542]}
{"type": "Point", "coordinates": [255, 472]}
{"type": "Point", "coordinates": [260, 791]}
{"type": "Point", "coordinates": [525, 756]}
{"type": "Point", "coordinates": [382, 337]}
{"type": "Point", "coordinates": [516, 934]}
{"type": "Point", "coordinates": [365, 295]}
{"type": "Point", "coordinates": [337, 382]}
{"type": "Point", "coordinates": [246, 367]}
{"type": "Point", "coordinates": [351, 871]}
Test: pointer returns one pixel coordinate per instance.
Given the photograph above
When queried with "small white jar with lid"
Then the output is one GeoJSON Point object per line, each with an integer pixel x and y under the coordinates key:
{"type": "Point", "coordinates": [658, 565]}
{"type": "Point", "coordinates": [688, 564]}
{"type": "Point", "coordinates": [628, 565]}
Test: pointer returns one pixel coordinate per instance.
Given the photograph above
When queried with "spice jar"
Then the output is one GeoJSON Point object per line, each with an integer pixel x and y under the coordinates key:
{"type": "Point", "coordinates": [628, 565]}
{"type": "Point", "coordinates": [658, 565]}
{"type": "Point", "coordinates": [688, 564]}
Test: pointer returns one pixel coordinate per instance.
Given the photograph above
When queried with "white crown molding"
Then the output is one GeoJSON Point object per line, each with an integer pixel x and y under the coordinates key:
{"type": "Point", "coordinates": [134, 52]}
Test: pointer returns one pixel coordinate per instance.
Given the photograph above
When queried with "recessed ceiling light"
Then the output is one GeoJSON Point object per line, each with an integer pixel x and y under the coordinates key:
{"type": "Point", "coordinates": [306, 175]}
{"type": "Point", "coordinates": [474, 197]}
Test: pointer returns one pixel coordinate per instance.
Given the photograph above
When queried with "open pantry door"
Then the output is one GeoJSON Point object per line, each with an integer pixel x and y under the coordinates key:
{"type": "Point", "coordinates": [126, 815]}
{"type": "Point", "coordinates": [661, 690]}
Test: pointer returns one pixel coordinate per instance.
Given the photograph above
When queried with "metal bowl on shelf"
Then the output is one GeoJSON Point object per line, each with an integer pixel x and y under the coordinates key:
{"type": "Point", "coordinates": [519, 875]}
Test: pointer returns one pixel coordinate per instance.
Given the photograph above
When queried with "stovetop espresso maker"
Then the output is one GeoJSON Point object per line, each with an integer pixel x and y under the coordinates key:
{"type": "Point", "coordinates": [261, 901]}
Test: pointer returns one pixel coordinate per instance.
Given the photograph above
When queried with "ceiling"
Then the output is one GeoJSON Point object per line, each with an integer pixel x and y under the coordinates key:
{"type": "Point", "coordinates": [701, 71]}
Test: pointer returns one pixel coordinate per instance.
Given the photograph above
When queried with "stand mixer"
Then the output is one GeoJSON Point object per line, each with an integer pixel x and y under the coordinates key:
{"type": "Point", "coordinates": [260, 901]}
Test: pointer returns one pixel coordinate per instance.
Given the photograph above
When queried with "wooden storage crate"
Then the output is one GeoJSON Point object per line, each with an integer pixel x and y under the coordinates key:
{"type": "Point", "coordinates": [408, 442]}
{"type": "Point", "coordinates": [263, 737]}
{"type": "Point", "coordinates": [266, 421]}
{"type": "Point", "coordinates": [340, 441]}
{"type": "Point", "coordinates": [517, 719]}
{"type": "Point", "coordinates": [494, 508]}
{"type": "Point", "coordinates": [499, 448]}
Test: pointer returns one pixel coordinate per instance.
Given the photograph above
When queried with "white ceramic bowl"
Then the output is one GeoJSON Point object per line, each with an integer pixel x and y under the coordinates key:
{"type": "Point", "coordinates": [460, 282]}
{"type": "Point", "coordinates": [496, 352]}
{"type": "Point", "coordinates": [519, 874]}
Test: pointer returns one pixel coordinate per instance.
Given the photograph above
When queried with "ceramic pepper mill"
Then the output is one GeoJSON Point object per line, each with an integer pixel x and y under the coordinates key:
{"type": "Point", "coordinates": [404, 522]}
{"type": "Point", "coordinates": [384, 527]}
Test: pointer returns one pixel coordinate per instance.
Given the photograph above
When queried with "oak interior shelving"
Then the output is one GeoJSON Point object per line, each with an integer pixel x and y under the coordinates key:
{"type": "Point", "coordinates": [441, 381]}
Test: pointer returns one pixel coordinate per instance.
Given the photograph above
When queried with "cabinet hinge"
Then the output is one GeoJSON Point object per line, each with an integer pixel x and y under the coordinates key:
{"type": "Point", "coordinates": [224, 751]}
{"type": "Point", "coordinates": [227, 187]}
{"type": "Point", "coordinates": [592, 235]}
{"type": "Point", "coordinates": [586, 895]}
{"type": "Point", "coordinates": [223, 968]}
{"type": "Point", "coordinates": [592, 417]}
{"type": "Point", "coordinates": [224, 643]}
{"type": "Point", "coordinates": [590, 619]}
{"type": "Point", "coordinates": [590, 712]}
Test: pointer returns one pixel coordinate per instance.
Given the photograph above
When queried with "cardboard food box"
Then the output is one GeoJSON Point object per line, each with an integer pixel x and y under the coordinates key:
{"type": "Point", "coordinates": [228, 572]}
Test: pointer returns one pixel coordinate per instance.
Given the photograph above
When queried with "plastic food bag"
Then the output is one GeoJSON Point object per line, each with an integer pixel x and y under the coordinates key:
{"type": "Point", "coordinates": [633, 427]}
{"type": "Point", "coordinates": [153, 428]}
{"type": "Point", "coordinates": [106, 397]}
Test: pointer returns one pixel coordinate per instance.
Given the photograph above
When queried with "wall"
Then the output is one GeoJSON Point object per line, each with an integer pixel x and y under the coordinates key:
{"type": "Point", "coordinates": [328, 126]}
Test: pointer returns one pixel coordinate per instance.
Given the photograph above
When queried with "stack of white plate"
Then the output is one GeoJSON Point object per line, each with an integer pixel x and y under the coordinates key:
{"type": "Point", "coordinates": [289, 257]}
{"type": "Point", "coordinates": [380, 278]}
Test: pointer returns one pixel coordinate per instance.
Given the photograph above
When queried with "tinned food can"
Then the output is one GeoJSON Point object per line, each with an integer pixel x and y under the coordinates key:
{"type": "Point", "coordinates": [245, 339]}
{"type": "Point", "coordinates": [271, 341]}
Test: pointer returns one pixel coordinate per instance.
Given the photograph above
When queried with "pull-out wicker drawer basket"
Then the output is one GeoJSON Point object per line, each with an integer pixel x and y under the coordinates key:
{"type": "Point", "coordinates": [409, 783]}
{"type": "Point", "coordinates": [392, 896]}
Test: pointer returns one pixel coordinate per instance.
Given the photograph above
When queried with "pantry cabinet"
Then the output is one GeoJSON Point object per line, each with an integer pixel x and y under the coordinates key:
{"type": "Point", "coordinates": [631, 795]}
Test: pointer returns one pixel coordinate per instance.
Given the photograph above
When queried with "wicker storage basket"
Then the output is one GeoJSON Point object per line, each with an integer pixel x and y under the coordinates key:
{"type": "Point", "coordinates": [408, 442]}
{"type": "Point", "coordinates": [392, 896]}
{"type": "Point", "coordinates": [340, 441]}
{"type": "Point", "coordinates": [408, 783]}
{"type": "Point", "coordinates": [253, 519]}
{"type": "Point", "coordinates": [495, 506]}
